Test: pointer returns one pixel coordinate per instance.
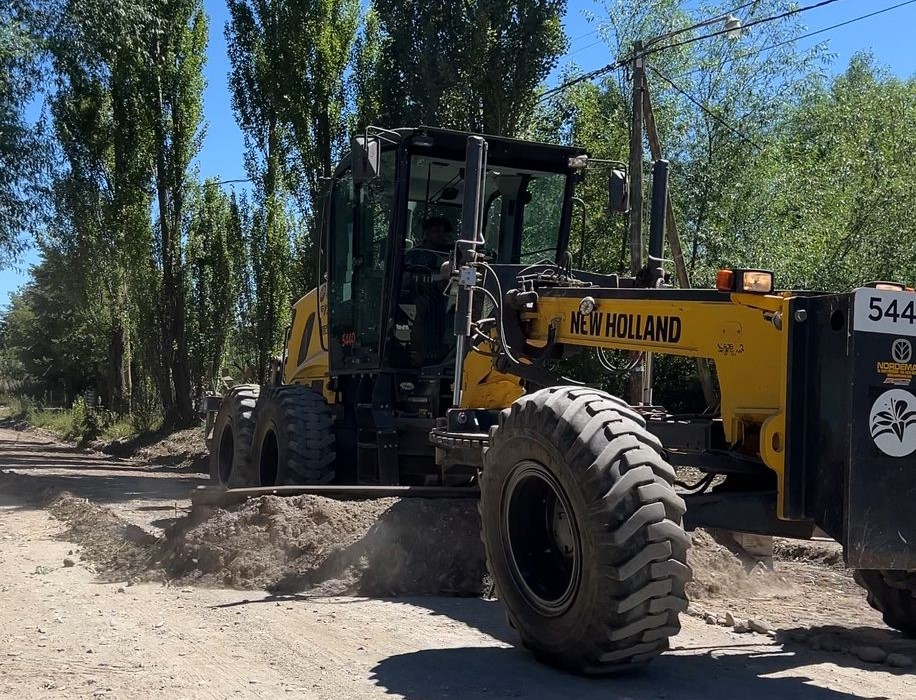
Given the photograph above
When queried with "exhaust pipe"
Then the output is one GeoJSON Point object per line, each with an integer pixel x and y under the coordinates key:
{"type": "Point", "coordinates": [657, 222]}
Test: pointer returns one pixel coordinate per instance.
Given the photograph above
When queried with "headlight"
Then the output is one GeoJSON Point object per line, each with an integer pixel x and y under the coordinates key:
{"type": "Point", "coordinates": [587, 306]}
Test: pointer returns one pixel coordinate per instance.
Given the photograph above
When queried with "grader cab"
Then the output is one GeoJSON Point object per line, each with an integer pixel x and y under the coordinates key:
{"type": "Point", "coordinates": [428, 360]}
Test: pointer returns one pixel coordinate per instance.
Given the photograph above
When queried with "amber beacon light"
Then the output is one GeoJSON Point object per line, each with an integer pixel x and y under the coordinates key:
{"type": "Point", "coordinates": [751, 281]}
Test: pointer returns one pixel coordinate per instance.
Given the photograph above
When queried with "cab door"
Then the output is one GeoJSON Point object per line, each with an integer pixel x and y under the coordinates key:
{"type": "Point", "coordinates": [360, 231]}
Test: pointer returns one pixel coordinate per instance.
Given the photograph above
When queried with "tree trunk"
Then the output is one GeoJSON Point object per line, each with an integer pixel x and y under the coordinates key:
{"type": "Point", "coordinates": [181, 368]}
{"type": "Point", "coordinates": [165, 305]}
{"type": "Point", "coordinates": [181, 358]}
{"type": "Point", "coordinates": [175, 378]}
{"type": "Point", "coordinates": [268, 292]}
{"type": "Point", "coordinates": [112, 392]}
{"type": "Point", "coordinates": [126, 377]}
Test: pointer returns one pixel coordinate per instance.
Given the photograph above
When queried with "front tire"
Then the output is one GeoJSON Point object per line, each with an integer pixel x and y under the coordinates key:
{"type": "Point", "coordinates": [582, 529]}
{"type": "Point", "coordinates": [293, 439]}
{"type": "Point", "coordinates": [893, 594]}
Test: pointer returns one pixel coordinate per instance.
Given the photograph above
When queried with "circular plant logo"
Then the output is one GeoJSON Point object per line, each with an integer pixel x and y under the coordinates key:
{"type": "Point", "coordinates": [902, 350]}
{"type": "Point", "coordinates": [893, 423]}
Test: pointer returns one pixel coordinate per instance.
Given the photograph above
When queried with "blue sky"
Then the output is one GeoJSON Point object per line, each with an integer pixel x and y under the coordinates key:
{"type": "Point", "coordinates": [888, 36]}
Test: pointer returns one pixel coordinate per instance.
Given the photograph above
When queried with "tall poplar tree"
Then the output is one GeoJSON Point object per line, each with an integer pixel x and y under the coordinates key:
{"type": "Point", "coordinates": [473, 66]}
{"type": "Point", "coordinates": [287, 62]}
{"type": "Point", "coordinates": [175, 84]}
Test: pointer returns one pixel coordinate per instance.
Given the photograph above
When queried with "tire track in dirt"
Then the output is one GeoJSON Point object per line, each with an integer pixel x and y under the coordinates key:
{"type": "Point", "coordinates": [157, 640]}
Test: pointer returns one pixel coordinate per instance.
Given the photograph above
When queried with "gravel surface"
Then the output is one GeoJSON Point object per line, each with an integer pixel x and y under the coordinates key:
{"type": "Point", "coordinates": [119, 590]}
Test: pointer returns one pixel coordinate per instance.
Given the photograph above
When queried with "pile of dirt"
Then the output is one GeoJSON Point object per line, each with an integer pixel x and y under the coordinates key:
{"type": "Point", "coordinates": [824, 552]}
{"type": "Point", "coordinates": [181, 449]}
{"type": "Point", "coordinates": [381, 547]}
{"type": "Point", "coordinates": [119, 551]}
{"type": "Point", "coordinates": [718, 571]}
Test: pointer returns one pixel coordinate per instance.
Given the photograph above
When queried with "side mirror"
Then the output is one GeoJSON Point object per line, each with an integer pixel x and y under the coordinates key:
{"type": "Point", "coordinates": [366, 153]}
{"type": "Point", "coordinates": [618, 190]}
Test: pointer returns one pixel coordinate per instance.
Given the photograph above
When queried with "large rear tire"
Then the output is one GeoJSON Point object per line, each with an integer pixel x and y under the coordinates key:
{"type": "Point", "coordinates": [293, 439]}
{"type": "Point", "coordinates": [233, 429]}
{"type": "Point", "coordinates": [582, 529]}
{"type": "Point", "coordinates": [893, 594]}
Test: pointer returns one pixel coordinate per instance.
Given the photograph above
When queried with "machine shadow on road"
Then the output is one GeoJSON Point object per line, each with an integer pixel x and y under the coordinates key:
{"type": "Point", "coordinates": [834, 641]}
{"type": "Point", "coordinates": [492, 673]}
{"type": "Point", "coordinates": [37, 478]}
{"type": "Point", "coordinates": [30, 453]}
{"type": "Point", "coordinates": [487, 616]}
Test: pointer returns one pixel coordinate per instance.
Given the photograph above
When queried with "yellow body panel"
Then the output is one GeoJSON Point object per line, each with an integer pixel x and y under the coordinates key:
{"type": "Point", "coordinates": [307, 355]}
{"type": "Point", "coordinates": [744, 337]}
{"type": "Point", "coordinates": [484, 386]}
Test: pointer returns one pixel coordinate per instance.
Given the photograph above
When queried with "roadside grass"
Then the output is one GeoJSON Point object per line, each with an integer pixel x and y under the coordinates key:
{"type": "Point", "coordinates": [77, 423]}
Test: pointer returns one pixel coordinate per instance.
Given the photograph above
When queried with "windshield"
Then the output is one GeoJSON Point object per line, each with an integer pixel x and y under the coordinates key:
{"type": "Point", "coordinates": [529, 202]}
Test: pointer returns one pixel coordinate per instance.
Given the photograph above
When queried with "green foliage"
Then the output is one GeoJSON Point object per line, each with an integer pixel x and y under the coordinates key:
{"type": "Point", "coordinates": [18, 407]}
{"type": "Point", "coordinates": [102, 198]}
{"type": "Point", "coordinates": [175, 95]}
{"type": "Point", "coordinates": [152, 286]}
{"type": "Point", "coordinates": [80, 422]}
{"type": "Point", "coordinates": [594, 116]}
{"type": "Point", "coordinates": [50, 337]}
{"type": "Point", "coordinates": [146, 413]}
{"type": "Point", "coordinates": [841, 183]}
{"type": "Point", "coordinates": [85, 422]}
{"type": "Point", "coordinates": [57, 421]}
{"type": "Point", "coordinates": [22, 144]}
{"type": "Point", "coordinates": [481, 62]}
{"type": "Point", "coordinates": [288, 60]}
{"type": "Point", "coordinates": [270, 255]}
{"type": "Point", "coordinates": [214, 245]}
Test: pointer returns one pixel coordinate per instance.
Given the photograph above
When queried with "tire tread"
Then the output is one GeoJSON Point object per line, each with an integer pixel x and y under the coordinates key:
{"type": "Point", "coordinates": [632, 506]}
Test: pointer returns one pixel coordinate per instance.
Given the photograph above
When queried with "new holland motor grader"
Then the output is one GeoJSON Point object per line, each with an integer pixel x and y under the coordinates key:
{"type": "Point", "coordinates": [416, 365]}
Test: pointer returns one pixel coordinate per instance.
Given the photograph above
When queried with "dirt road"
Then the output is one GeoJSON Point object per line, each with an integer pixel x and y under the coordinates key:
{"type": "Point", "coordinates": [66, 634]}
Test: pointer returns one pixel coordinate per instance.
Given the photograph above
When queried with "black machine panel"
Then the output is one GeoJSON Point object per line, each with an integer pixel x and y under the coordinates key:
{"type": "Point", "coordinates": [817, 410]}
{"type": "Point", "coordinates": [881, 524]}
{"type": "Point", "coordinates": [851, 416]}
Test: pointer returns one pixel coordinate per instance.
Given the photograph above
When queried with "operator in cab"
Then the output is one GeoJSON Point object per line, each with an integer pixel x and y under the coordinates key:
{"type": "Point", "coordinates": [423, 286]}
{"type": "Point", "coordinates": [435, 245]}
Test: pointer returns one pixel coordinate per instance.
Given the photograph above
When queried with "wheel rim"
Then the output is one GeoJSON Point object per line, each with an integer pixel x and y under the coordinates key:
{"type": "Point", "coordinates": [541, 537]}
{"type": "Point", "coordinates": [269, 459]}
{"type": "Point", "coordinates": [226, 454]}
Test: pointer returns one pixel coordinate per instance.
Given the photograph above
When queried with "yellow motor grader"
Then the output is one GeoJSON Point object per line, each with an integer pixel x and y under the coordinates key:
{"type": "Point", "coordinates": [427, 363]}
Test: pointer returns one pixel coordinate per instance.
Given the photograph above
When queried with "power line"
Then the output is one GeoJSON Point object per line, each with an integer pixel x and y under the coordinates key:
{"type": "Point", "coordinates": [599, 28]}
{"type": "Point", "coordinates": [586, 35]}
{"type": "Point", "coordinates": [841, 24]}
{"type": "Point", "coordinates": [703, 23]}
{"type": "Point", "coordinates": [243, 179]}
{"type": "Point", "coordinates": [583, 48]}
{"type": "Point", "coordinates": [756, 52]}
{"type": "Point", "coordinates": [754, 23]}
{"type": "Point", "coordinates": [679, 31]}
{"type": "Point", "coordinates": [581, 79]}
{"type": "Point", "coordinates": [620, 62]}
{"type": "Point", "coordinates": [705, 109]}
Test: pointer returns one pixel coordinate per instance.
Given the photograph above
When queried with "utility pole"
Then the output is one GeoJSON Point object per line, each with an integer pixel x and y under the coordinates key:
{"type": "Point", "coordinates": [640, 382]}
{"type": "Point", "coordinates": [638, 387]}
{"type": "Point", "coordinates": [674, 242]}
{"type": "Point", "coordinates": [637, 69]}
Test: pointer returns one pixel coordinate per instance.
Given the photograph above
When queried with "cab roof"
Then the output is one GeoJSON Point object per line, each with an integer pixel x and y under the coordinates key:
{"type": "Point", "coordinates": [451, 144]}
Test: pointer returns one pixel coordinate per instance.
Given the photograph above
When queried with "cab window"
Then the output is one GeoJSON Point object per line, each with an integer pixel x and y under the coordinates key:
{"type": "Point", "coordinates": [359, 233]}
{"type": "Point", "coordinates": [527, 201]}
